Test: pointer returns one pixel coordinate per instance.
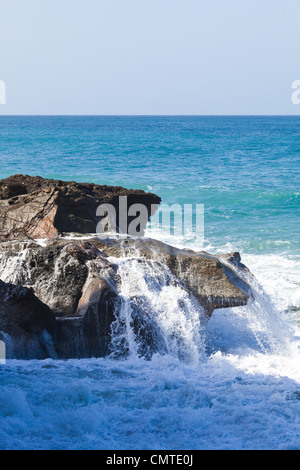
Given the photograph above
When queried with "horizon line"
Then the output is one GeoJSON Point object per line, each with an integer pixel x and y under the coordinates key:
{"type": "Point", "coordinates": [149, 115]}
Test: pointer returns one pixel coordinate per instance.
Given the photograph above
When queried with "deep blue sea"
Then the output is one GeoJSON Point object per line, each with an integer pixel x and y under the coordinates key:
{"type": "Point", "coordinates": [242, 394]}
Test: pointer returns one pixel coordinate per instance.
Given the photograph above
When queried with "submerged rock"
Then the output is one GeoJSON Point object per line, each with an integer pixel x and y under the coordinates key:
{"type": "Point", "coordinates": [35, 207]}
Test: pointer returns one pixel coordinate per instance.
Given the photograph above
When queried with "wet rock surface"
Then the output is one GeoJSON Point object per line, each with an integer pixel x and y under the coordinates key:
{"type": "Point", "coordinates": [78, 282]}
{"type": "Point", "coordinates": [61, 288]}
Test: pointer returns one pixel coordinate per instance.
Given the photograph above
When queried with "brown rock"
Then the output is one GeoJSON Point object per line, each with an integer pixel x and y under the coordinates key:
{"type": "Point", "coordinates": [35, 207]}
{"type": "Point", "coordinates": [216, 281]}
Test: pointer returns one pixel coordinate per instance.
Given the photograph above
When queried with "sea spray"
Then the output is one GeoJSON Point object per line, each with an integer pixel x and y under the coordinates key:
{"type": "Point", "coordinates": [258, 326]}
{"type": "Point", "coordinates": [246, 399]}
{"type": "Point", "coordinates": [157, 314]}
{"type": "Point", "coordinates": [279, 275]}
{"type": "Point", "coordinates": [14, 270]}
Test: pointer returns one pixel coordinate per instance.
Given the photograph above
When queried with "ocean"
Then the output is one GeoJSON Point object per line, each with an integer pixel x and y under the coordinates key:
{"type": "Point", "coordinates": [239, 385]}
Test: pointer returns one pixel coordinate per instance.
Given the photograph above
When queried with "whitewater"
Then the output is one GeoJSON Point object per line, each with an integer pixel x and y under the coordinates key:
{"type": "Point", "coordinates": [230, 383]}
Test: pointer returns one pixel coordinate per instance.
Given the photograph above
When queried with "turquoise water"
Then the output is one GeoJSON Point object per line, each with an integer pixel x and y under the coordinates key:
{"type": "Point", "coordinates": [245, 170]}
{"type": "Point", "coordinates": [243, 393]}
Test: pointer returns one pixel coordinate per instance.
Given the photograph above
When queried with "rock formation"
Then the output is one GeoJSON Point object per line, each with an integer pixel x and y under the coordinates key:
{"type": "Point", "coordinates": [60, 297]}
{"type": "Point", "coordinates": [35, 207]}
{"type": "Point", "coordinates": [78, 282]}
{"type": "Point", "coordinates": [26, 319]}
{"type": "Point", "coordinates": [21, 309]}
{"type": "Point", "coordinates": [210, 278]}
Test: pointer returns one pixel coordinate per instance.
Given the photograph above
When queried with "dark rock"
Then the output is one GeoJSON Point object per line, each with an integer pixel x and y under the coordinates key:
{"type": "Point", "coordinates": [77, 284]}
{"type": "Point", "coordinates": [56, 275]}
{"type": "Point", "coordinates": [88, 335]}
{"type": "Point", "coordinates": [20, 309]}
{"type": "Point", "coordinates": [60, 271]}
{"type": "Point", "coordinates": [35, 207]}
{"type": "Point", "coordinates": [70, 288]}
{"type": "Point", "coordinates": [28, 322]}
{"type": "Point", "coordinates": [76, 281]}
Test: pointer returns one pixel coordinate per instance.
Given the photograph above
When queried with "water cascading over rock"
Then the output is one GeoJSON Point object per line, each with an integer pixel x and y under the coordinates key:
{"type": "Point", "coordinates": [88, 285]}
{"type": "Point", "coordinates": [117, 296]}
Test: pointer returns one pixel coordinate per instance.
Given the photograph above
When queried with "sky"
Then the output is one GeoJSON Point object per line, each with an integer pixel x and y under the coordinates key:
{"type": "Point", "coordinates": [157, 57]}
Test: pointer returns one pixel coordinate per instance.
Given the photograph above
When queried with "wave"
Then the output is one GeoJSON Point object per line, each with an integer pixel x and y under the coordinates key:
{"type": "Point", "coordinates": [226, 402]}
{"type": "Point", "coordinates": [157, 314]}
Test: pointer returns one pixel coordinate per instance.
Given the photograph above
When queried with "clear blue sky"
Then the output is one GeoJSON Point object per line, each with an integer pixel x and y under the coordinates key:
{"type": "Point", "coordinates": [149, 56]}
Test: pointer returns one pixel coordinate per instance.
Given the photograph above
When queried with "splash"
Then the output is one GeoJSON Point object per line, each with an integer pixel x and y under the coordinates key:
{"type": "Point", "coordinates": [258, 326]}
{"type": "Point", "coordinates": [14, 269]}
{"type": "Point", "coordinates": [156, 314]}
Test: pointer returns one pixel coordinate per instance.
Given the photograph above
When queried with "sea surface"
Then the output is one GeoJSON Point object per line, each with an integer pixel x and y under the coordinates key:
{"type": "Point", "coordinates": [233, 383]}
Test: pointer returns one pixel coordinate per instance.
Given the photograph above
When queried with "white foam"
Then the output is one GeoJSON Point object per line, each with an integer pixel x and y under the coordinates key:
{"type": "Point", "coordinates": [244, 394]}
{"type": "Point", "coordinates": [154, 300]}
{"type": "Point", "coordinates": [226, 402]}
